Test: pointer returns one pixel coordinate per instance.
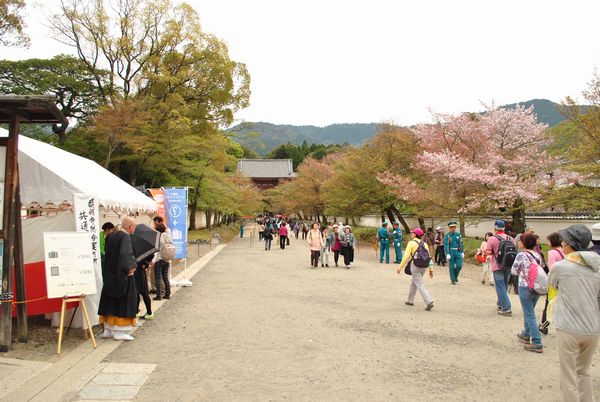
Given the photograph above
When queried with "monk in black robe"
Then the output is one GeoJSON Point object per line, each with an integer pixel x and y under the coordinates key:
{"type": "Point", "coordinates": [118, 300]}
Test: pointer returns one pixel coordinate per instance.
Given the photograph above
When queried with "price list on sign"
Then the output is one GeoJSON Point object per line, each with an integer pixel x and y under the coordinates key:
{"type": "Point", "coordinates": [69, 264]}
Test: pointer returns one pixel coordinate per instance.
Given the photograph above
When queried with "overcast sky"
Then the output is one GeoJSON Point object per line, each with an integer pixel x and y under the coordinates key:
{"type": "Point", "coordinates": [333, 61]}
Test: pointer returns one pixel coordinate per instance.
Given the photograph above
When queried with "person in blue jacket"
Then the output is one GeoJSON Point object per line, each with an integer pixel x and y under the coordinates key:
{"type": "Point", "coordinates": [455, 251]}
{"type": "Point", "coordinates": [397, 239]}
{"type": "Point", "coordinates": [384, 243]}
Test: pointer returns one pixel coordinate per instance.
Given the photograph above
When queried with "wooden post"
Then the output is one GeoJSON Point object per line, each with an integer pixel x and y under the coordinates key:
{"type": "Point", "coordinates": [10, 185]}
{"type": "Point", "coordinates": [22, 327]}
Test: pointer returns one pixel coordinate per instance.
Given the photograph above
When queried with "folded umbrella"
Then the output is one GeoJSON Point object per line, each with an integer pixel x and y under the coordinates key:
{"type": "Point", "coordinates": [145, 241]}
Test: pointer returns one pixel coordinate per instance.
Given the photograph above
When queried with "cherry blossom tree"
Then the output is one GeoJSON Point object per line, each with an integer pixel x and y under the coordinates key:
{"type": "Point", "coordinates": [480, 162]}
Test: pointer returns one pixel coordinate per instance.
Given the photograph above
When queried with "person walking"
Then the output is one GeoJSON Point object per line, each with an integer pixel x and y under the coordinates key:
{"type": "Point", "coordinates": [577, 312]}
{"type": "Point", "coordinates": [296, 230]}
{"type": "Point", "coordinates": [348, 242]}
{"type": "Point", "coordinates": [315, 243]}
{"type": "Point", "coordinates": [289, 233]}
{"type": "Point", "coordinates": [429, 238]}
{"type": "Point", "coordinates": [268, 236]}
{"type": "Point", "coordinates": [383, 238]}
{"type": "Point", "coordinates": [524, 261]}
{"type": "Point", "coordinates": [336, 245]}
{"type": "Point", "coordinates": [555, 254]}
{"type": "Point", "coordinates": [241, 229]}
{"type": "Point", "coordinates": [501, 272]}
{"type": "Point", "coordinates": [397, 241]}
{"type": "Point", "coordinates": [283, 236]}
{"type": "Point", "coordinates": [328, 239]}
{"type": "Point", "coordinates": [304, 230]}
{"type": "Point", "coordinates": [455, 251]}
{"type": "Point", "coordinates": [440, 255]}
{"type": "Point", "coordinates": [487, 263]}
{"type": "Point", "coordinates": [417, 273]}
{"type": "Point", "coordinates": [261, 230]}
{"type": "Point", "coordinates": [596, 238]}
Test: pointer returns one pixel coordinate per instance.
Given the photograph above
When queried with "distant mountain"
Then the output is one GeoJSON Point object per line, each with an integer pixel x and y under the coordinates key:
{"type": "Point", "coordinates": [263, 137]}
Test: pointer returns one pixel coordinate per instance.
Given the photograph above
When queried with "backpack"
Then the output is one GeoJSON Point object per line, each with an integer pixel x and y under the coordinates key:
{"type": "Point", "coordinates": [538, 279]}
{"type": "Point", "coordinates": [167, 251]}
{"type": "Point", "coordinates": [507, 252]}
{"type": "Point", "coordinates": [421, 257]}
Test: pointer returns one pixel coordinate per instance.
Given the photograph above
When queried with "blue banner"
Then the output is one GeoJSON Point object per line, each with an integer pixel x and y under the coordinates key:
{"type": "Point", "coordinates": [176, 211]}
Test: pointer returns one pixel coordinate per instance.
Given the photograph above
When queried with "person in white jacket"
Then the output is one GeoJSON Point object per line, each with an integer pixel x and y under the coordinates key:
{"type": "Point", "coordinates": [577, 312]}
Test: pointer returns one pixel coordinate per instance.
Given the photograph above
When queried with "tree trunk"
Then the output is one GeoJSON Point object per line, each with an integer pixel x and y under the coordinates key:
{"type": "Point", "coordinates": [518, 216]}
{"type": "Point", "coordinates": [354, 222]}
{"type": "Point", "coordinates": [401, 219]}
{"type": "Point", "coordinates": [61, 131]}
{"type": "Point", "coordinates": [390, 215]}
{"type": "Point", "coordinates": [461, 222]}
{"type": "Point", "coordinates": [421, 222]}
{"type": "Point", "coordinates": [208, 219]}
{"type": "Point", "coordinates": [382, 216]}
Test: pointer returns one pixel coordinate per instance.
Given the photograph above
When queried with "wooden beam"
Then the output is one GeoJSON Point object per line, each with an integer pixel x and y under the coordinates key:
{"type": "Point", "coordinates": [22, 324]}
{"type": "Point", "coordinates": [10, 183]}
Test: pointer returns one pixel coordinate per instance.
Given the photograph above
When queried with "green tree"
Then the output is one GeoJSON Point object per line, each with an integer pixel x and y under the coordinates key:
{"type": "Point", "coordinates": [65, 77]}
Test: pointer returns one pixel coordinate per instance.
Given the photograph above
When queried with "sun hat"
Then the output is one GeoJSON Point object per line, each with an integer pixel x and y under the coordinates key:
{"type": "Point", "coordinates": [438, 228]}
{"type": "Point", "coordinates": [596, 232]}
{"type": "Point", "coordinates": [417, 232]}
{"type": "Point", "coordinates": [500, 224]}
{"type": "Point", "coordinates": [336, 226]}
{"type": "Point", "coordinates": [577, 236]}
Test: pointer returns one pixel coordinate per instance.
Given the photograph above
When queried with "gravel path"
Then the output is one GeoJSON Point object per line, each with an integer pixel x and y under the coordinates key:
{"type": "Point", "coordinates": [262, 326]}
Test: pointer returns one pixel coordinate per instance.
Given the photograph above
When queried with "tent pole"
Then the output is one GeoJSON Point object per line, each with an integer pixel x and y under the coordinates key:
{"type": "Point", "coordinates": [22, 325]}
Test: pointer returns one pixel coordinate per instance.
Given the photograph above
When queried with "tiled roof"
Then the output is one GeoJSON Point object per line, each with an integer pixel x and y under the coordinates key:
{"type": "Point", "coordinates": [266, 168]}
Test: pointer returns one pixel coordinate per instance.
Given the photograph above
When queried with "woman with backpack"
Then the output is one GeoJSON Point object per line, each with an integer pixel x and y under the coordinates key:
{"type": "Point", "coordinates": [268, 236]}
{"type": "Point", "coordinates": [417, 258]}
{"type": "Point", "coordinates": [526, 260]}
{"type": "Point", "coordinates": [555, 254]}
{"type": "Point", "coordinates": [315, 243]}
{"type": "Point", "coordinates": [161, 264]}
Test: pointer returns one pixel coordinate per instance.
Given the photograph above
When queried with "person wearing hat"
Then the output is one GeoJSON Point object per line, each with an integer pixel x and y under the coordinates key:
{"type": "Point", "coordinates": [454, 248]}
{"type": "Point", "coordinates": [577, 312]}
{"type": "Point", "coordinates": [501, 277]}
{"type": "Point", "coordinates": [417, 273]}
{"type": "Point", "coordinates": [596, 238]}
{"type": "Point", "coordinates": [397, 239]}
{"type": "Point", "coordinates": [383, 238]}
{"type": "Point", "coordinates": [440, 255]}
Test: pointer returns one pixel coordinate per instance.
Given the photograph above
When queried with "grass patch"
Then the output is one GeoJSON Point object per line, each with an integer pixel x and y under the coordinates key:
{"type": "Point", "coordinates": [227, 233]}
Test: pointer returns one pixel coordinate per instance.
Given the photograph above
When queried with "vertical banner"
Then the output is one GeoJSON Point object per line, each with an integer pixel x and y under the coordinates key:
{"type": "Point", "coordinates": [176, 210]}
{"type": "Point", "coordinates": [87, 219]}
{"type": "Point", "coordinates": [159, 196]}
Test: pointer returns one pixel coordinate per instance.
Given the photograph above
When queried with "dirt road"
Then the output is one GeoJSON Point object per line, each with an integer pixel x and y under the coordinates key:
{"type": "Point", "coordinates": [260, 326]}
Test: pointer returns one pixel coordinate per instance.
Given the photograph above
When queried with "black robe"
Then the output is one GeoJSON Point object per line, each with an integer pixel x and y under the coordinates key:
{"type": "Point", "coordinates": [119, 292]}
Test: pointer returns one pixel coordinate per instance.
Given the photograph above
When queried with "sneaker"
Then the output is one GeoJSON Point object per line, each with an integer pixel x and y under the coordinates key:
{"type": "Point", "coordinates": [409, 303]}
{"type": "Point", "coordinates": [347, 266]}
{"type": "Point", "coordinates": [149, 316]}
{"type": "Point", "coordinates": [506, 313]}
{"type": "Point", "coordinates": [336, 264]}
{"type": "Point", "coordinates": [523, 338]}
{"type": "Point", "coordinates": [322, 266]}
{"type": "Point", "coordinates": [157, 298]}
{"type": "Point", "coordinates": [122, 336]}
{"type": "Point", "coordinates": [532, 347]}
{"type": "Point", "coordinates": [327, 265]}
{"type": "Point", "coordinates": [499, 308]}
{"type": "Point", "coordinates": [139, 315]}
{"type": "Point", "coordinates": [429, 306]}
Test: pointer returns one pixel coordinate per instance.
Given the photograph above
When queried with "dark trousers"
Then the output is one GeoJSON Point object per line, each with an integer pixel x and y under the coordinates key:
{"type": "Point", "coordinates": [260, 235]}
{"type": "Point", "coordinates": [545, 312]}
{"type": "Point", "coordinates": [268, 243]}
{"type": "Point", "coordinates": [282, 241]}
{"type": "Point", "coordinates": [146, 297]}
{"type": "Point", "coordinates": [336, 256]}
{"type": "Point", "coordinates": [348, 253]}
{"type": "Point", "coordinates": [440, 256]}
{"type": "Point", "coordinates": [304, 235]}
{"type": "Point", "coordinates": [161, 270]}
{"type": "Point", "coordinates": [314, 258]}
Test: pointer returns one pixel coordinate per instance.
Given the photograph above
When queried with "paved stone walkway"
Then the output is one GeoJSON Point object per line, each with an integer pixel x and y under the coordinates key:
{"type": "Point", "coordinates": [261, 325]}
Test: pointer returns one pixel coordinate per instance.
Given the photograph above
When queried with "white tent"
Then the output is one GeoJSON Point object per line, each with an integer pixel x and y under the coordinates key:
{"type": "Point", "coordinates": [49, 175]}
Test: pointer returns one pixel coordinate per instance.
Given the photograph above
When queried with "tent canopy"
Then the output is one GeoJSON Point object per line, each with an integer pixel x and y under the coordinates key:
{"type": "Point", "coordinates": [51, 175]}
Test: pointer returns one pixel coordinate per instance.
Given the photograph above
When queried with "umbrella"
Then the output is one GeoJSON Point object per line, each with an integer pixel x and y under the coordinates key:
{"type": "Point", "coordinates": [145, 241]}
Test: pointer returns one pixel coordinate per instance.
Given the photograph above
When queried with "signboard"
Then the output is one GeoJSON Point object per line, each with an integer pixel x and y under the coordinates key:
{"type": "Point", "coordinates": [87, 219]}
{"type": "Point", "coordinates": [69, 264]}
{"type": "Point", "coordinates": [159, 196]}
{"type": "Point", "coordinates": [176, 210]}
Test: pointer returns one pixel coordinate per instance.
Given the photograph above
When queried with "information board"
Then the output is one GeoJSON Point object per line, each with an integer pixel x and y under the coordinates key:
{"type": "Point", "coordinates": [69, 264]}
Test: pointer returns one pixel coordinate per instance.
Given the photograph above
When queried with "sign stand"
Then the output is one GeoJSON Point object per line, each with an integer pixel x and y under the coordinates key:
{"type": "Point", "coordinates": [73, 299]}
